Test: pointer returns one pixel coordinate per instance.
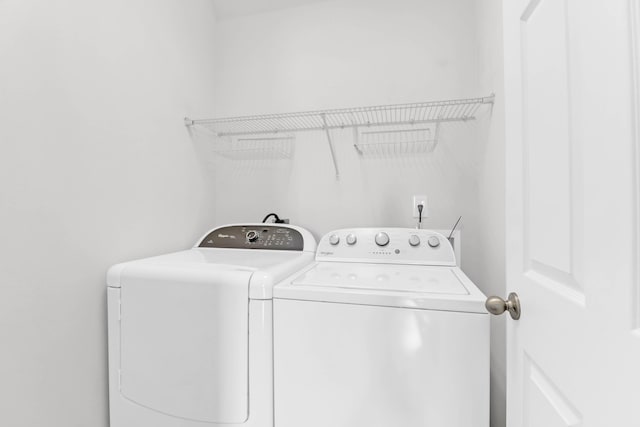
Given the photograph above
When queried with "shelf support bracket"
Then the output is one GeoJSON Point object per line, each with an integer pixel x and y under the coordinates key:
{"type": "Point", "coordinates": [436, 136]}
{"type": "Point", "coordinates": [356, 139]}
{"type": "Point", "coordinates": [333, 154]}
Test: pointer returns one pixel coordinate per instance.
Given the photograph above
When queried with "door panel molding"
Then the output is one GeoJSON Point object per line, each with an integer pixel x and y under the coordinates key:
{"type": "Point", "coordinates": [549, 400]}
{"type": "Point", "coordinates": [528, 11]}
{"type": "Point", "coordinates": [553, 233]}
{"type": "Point", "coordinates": [556, 281]}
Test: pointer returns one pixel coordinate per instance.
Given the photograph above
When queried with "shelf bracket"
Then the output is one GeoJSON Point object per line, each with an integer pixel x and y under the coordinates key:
{"type": "Point", "coordinates": [436, 136]}
{"type": "Point", "coordinates": [333, 154]}
{"type": "Point", "coordinates": [356, 140]}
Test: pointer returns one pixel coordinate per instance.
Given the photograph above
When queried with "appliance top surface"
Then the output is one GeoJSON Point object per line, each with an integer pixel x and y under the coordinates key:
{"type": "Point", "coordinates": [274, 258]}
{"type": "Point", "coordinates": [384, 277]}
{"type": "Point", "coordinates": [394, 267]}
{"type": "Point", "coordinates": [210, 262]}
{"type": "Point", "coordinates": [244, 259]}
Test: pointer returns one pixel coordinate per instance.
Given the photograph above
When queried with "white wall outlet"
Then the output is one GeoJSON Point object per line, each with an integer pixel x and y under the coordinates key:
{"type": "Point", "coordinates": [420, 200]}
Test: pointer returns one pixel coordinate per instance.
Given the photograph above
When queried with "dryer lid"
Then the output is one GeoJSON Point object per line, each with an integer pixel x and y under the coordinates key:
{"type": "Point", "coordinates": [408, 286]}
{"type": "Point", "coordinates": [267, 267]}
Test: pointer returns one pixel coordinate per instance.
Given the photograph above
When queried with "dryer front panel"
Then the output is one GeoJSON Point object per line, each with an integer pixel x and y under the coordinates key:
{"type": "Point", "coordinates": [184, 342]}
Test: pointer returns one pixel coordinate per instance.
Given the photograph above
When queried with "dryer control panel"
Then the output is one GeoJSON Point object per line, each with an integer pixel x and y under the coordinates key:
{"type": "Point", "coordinates": [386, 245]}
{"type": "Point", "coordinates": [255, 236]}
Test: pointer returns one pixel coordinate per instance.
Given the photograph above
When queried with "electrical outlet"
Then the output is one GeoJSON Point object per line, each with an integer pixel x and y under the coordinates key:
{"type": "Point", "coordinates": [420, 200]}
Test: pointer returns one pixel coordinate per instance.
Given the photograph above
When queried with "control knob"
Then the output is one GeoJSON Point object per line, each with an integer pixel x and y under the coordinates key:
{"type": "Point", "coordinates": [433, 241]}
{"type": "Point", "coordinates": [252, 236]}
{"type": "Point", "coordinates": [351, 239]}
{"type": "Point", "coordinates": [414, 240]}
{"type": "Point", "coordinates": [334, 239]}
{"type": "Point", "coordinates": [382, 239]}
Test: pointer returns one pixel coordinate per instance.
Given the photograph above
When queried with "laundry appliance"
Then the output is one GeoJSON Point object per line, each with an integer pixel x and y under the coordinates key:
{"type": "Point", "coordinates": [190, 333]}
{"type": "Point", "coordinates": [382, 330]}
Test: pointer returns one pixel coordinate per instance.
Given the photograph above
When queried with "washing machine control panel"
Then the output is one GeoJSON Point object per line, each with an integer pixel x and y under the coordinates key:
{"type": "Point", "coordinates": [261, 236]}
{"type": "Point", "coordinates": [386, 245]}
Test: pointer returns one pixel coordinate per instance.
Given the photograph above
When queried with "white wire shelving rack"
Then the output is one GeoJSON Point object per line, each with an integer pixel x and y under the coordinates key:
{"type": "Point", "coordinates": [400, 117]}
{"type": "Point", "coordinates": [399, 141]}
{"type": "Point", "coordinates": [256, 148]}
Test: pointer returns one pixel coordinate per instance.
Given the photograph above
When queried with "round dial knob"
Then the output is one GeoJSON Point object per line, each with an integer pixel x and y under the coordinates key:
{"type": "Point", "coordinates": [414, 240]}
{"type": "Point", "coordinates": [434, 242]}
{"type": "Point", "coordinates": [382, 239]}
{"type": "Point", "coordinates": [351, 239]}
{"type": "Point", "coordinates": [252, 236]}
{"type": "Point", "coordinates": [334, 239]}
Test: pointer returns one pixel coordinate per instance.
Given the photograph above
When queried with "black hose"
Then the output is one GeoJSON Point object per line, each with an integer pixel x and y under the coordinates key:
{"type": "Point", "coordinates": [271, 214]}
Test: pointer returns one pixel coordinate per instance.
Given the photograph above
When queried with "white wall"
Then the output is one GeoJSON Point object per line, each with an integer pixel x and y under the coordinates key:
{"type": "Point", "coordinates": [356, 53]}
{"type": "Point", "coordinates": [95, 168]}
{"type": "Point", "coordinates": [486, 237]}
{"type": "Point", "coordinates": [341, 54]}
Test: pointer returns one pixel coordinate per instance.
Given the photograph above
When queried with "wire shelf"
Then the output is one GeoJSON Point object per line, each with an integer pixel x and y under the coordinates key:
{"type": "Point", "coordinates": [383, 115]}
{"type": "Point", "coordinates": [397, 142]}
{"type": "Point", "coordinates": [274, 148]}
{"type": "Point", "coordinates": [411, 117]}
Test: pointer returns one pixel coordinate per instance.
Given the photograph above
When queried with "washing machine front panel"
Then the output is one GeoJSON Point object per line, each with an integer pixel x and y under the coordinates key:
{"type": "Point", "coordinates": [345, 365]}
{"type": "Point", "coordinates": [184, 342]}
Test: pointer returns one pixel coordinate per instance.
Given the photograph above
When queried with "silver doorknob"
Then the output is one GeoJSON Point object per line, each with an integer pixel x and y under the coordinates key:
{"type": "Point", "coordinates": [496, 305]}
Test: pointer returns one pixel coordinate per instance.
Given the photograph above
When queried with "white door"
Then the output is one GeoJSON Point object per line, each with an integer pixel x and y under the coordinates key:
{"type": "Point", "coordinates": [571, 97]}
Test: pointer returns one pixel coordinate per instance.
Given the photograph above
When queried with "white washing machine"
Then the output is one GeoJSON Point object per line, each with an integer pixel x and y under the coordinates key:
{"type": "Point", "coordinates": [190, 333]}
{"type": "Point", "coordinates": [382, 330]}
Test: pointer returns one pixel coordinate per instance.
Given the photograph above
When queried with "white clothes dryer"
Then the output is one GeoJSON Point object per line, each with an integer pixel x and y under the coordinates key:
{"type": "Point", "coordinates": [382, 330]}
{"type": "Point", "coordinates": [190, 333]}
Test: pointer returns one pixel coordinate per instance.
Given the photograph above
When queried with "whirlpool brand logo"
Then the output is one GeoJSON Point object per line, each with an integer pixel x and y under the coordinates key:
{"type": "Point", "coordinates": [326, 253]}
{"type": "Point", "coordinates": [226, 236]}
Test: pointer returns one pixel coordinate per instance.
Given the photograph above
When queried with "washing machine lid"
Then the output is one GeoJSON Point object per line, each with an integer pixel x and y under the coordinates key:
{"type": "Point", "coordinates": [409, 286]}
